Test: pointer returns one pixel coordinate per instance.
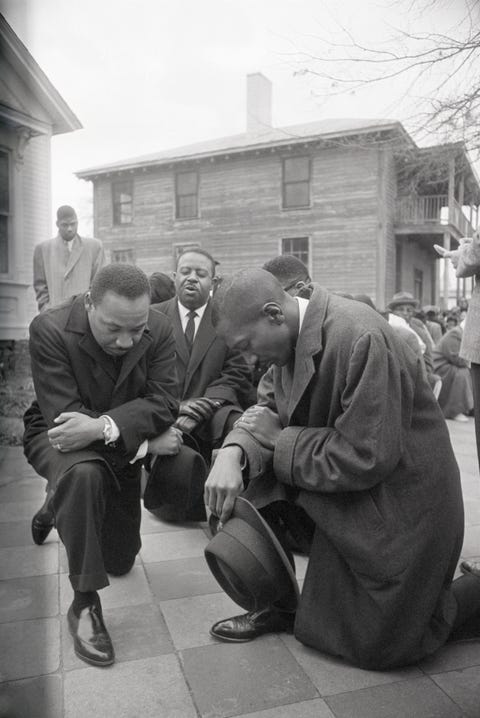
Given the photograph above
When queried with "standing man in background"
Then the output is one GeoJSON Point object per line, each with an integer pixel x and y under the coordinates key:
{"type": "Point", "coordinates": [65, 265]}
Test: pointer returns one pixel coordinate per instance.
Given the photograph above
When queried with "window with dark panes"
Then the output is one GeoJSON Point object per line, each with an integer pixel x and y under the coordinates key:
{"type": "Point", "coordinates": [297, 247]}
{"type": "Point", "coordinates": [296, 182]}
{"type": "Point", "coordinates": [122, 201]}
{"type": "Point", "coordinates": [186, 195]}
{"type": "Point", "coordinates": [123, 256]}
{"type": "Point", "coordinates": [4, 211]}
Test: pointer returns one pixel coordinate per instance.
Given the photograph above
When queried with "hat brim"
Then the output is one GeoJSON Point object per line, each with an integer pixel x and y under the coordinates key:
{"type": "Point", "coordinates": [249, 562]}
{"type": "Point", "coordinates": [412, 302]}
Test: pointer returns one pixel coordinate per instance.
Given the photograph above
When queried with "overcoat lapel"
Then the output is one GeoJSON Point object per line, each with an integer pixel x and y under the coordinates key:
{"type": "Point", "coordinates": [180, 343]}
{"type": "Point", "coordinates": [132, 358]}
{"type": "Point", "coordinates": [309, 343]}
{"type": "Point", "coordinates": [204, 338]}
{"type": "Point", "coordinates": [74, 255]}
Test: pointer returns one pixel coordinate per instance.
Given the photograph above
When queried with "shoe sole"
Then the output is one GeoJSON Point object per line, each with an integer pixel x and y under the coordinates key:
{"type": "Point", "coordinates": [234, 640]}
{"type": "Point", "coordinates": [92, 661]}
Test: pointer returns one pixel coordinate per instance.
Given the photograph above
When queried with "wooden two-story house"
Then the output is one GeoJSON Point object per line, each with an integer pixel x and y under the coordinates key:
{"type": "Point", "coordinates": [356, 200]}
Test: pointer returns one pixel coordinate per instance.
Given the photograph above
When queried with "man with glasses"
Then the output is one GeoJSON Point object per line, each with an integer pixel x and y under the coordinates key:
{"type": "Point", "coordinates": [291, 273]}
{"type": "Point", "coordinates": [67, 264]}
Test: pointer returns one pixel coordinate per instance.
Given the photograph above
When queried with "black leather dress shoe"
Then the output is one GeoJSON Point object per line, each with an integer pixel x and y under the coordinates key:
{"type": "Point", "coordinates": [252, 624]}
{"type": "Point", "coordinates": [90, 637]}
{"type": "Point", "coordinates": [470, 567]}
{"type": "Point", "coordinates": [42, 523]}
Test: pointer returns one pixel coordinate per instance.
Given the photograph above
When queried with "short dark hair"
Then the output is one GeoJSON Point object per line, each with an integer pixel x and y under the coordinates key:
{"type": "Point", "coordinates": [162, 287]}
{"type": "Point", "coordinates": [240, 297]}
{"type": "Point", "coordinates": [198, 250]}
{"type": "Point", "coordinates": [65, 211]}
{"type": "Point", "coordinates": [123, 279]}
{"type": "Point", "coordinates": [288, 270]}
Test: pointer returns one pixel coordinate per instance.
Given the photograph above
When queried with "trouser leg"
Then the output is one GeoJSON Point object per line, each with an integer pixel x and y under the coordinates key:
{"type": "Point", "coordinates": [121, 527]}
{"type": "Point", "coordinates": [475, 374]}
{"type": "Point", "coordinates": [79, 504]}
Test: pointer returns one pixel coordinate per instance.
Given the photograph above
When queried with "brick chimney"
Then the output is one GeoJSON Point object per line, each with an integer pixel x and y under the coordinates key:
{"type": "Point", "coordinates": [259, 103]}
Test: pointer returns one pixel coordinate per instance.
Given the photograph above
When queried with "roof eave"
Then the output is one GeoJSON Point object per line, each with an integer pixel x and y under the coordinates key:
{"type": "Point", "coordinates": [62, 117]}
{"type": "Point", "coordinates": [137, 163]}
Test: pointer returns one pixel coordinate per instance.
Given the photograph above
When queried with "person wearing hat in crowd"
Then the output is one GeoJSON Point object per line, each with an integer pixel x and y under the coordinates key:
{"type": "Point", "coordinates": [346, 430]}
{"type": "Point", "coordinates": [213, 380]}
{"type": "Point", "coordinates": [402, 309]}
{"type": "Point", "coordinates": [103, 367]}
{"type": "Point", "coordinates": [65, 265]}
{"type": "Point", "coordinates": [456, 395]}
{"type": "Point", "coordinates": [433, 322]}
{"type": "Point", "coordinates": [466, 261]}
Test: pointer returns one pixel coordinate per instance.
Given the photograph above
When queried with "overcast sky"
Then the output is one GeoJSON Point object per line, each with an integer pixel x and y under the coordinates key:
{"type": "Point", "coordinates": [146, 75]}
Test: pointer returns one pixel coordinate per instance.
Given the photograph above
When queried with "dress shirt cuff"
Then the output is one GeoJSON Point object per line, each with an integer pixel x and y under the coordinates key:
{"type": "Point", "coordinates": [141, 453]}
{"type": "Point", "coordinates": [111, 432]}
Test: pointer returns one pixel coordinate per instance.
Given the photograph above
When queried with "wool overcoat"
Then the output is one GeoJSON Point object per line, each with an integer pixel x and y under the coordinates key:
{"type": "Point", "coordinates": [365, 451]}
{"type": "Point", "coordinates": [72, 373]}
{"type": "Point", "coordinates": [59, 274]}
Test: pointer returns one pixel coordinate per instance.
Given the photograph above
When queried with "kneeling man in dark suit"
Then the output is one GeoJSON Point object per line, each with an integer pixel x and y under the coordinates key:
{"type": "Point", "coordinates": [103, 367]}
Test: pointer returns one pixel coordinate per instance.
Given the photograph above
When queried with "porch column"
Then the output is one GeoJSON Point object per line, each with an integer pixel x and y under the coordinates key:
{"type": "Point", "coordinates": [451, 190]}
{"type": "Point", "coordinates": [446, 272]}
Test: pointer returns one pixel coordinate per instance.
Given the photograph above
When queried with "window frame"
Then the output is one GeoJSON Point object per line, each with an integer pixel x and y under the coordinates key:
{"type": "Point", "coordinates": [126, 250]}
{"type": "Point", "coordinates": [7, 213]}
{"type": "Point", "coordinates": [287, 183]}
{"type": "Point", "coordinates": [418, 284]}
{"type": "Point", "coordinates": [117, 205]}
{"type": "Point", "coordinates": [308, 263]}
{"type": "Point", "coordinates": [184, 195]}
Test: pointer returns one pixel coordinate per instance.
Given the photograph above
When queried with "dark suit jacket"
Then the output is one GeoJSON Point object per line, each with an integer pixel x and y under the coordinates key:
{"type": "Point", "coordinates": [211, 369]}
{"type": "Point", "coordinates": [72, 373]}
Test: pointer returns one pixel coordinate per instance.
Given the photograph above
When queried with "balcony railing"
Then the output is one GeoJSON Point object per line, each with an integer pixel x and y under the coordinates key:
{"type": "Point", "coordinates": [431, 209]}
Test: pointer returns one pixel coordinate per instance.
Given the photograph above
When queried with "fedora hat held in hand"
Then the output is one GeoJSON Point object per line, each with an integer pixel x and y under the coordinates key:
{"type": "Point", "coordinates": [249, 562]}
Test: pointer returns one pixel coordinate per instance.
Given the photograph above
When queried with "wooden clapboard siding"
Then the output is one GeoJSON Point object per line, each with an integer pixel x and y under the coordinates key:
{"type": "Point", "coordinates": [241, 220]}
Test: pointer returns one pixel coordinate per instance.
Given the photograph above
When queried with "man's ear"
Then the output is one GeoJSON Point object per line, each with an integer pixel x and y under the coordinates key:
{"type": "Point", "coordinates": [88, 301]}
{"type": "Point", "coordinates": [273, 311]}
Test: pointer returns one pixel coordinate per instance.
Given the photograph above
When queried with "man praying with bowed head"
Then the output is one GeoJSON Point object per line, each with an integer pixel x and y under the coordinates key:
{"type": "Point", "coordinates": [346, 432]}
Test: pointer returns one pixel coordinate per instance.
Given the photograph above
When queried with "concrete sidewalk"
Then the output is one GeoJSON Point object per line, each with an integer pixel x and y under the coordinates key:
{"type": "Point", "coordinates": [159, 616]}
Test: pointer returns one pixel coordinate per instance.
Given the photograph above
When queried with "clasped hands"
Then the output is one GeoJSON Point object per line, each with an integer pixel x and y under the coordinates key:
{"type": "Point", "coordinates": [74, 430]}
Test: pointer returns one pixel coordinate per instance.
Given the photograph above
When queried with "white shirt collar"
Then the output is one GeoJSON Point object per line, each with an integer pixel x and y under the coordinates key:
{"type": "Point", "coordinates": [183, 311]}
{"type": "Point", "coordinates": [302, 308]}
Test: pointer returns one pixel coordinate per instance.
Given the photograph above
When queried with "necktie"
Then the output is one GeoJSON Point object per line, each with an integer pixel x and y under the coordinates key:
{"type": "Point", "coordinates": [190, 329]}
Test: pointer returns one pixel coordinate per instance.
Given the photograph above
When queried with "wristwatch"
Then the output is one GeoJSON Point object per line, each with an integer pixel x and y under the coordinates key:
{"type": "Point", "coordinates": [107, 430]}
